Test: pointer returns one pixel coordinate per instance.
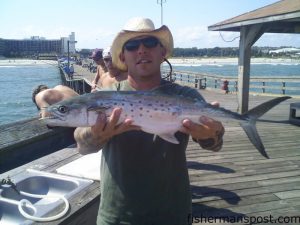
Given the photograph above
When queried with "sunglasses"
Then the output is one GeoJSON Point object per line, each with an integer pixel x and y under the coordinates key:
{"type": "Point", "coordinates": [107, 59]}
{"type": "Point", "coordinates": [149, 42]}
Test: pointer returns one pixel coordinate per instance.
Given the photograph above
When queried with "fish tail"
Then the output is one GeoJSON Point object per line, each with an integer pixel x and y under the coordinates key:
{"type": "Point", "coordinates": [249, 124]}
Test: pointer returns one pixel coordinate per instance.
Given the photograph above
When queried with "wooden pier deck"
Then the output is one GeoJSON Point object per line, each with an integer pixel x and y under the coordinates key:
{"type": "Point", "coordinates": [237, 181]}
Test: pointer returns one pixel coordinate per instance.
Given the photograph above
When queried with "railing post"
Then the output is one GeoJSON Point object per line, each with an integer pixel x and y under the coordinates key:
{"type": "Point", "coordinates": [264, 89]}
{"type": "Point", "coordinates": [236, 86]}
{"type": "Point", "coordinates": [196, 83]}
{"type": "Point", "coordinates": [283, 88]}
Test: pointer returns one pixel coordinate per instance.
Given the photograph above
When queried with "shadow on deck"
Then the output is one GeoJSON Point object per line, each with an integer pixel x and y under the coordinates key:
{"type": "Point", "coordinates": [238, 182]}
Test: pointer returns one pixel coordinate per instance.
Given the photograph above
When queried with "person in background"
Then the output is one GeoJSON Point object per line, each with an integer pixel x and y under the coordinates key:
{"type": "Point", "coordinates": [144, 180]}
{"type": "Point", "coordinates": [113, 75]}
{"type": "Point", "coordinates": [71, 71]}
{"type": "Point", "coordinates": [101, 69]}
{"type": "Point", "coordinates": [43, 96]}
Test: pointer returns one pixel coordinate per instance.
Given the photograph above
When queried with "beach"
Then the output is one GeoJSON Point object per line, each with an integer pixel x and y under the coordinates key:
{"type": "Point", "coordinates": [26, 62]}
{"type": "Point", "coordinates": [227, 60]}
{"type": "Point", "coordinates": [177, 60]}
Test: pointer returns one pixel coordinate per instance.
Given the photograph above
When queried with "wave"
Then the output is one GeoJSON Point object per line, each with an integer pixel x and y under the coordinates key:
{"type": "Point", "coordinates": [5, 66]}
{"type": "Point", "coordinates": [186, 64]}
{"type": "Point", "coordinates": [275, 64]}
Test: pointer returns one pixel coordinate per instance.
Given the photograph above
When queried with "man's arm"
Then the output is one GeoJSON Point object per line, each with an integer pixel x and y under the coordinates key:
{"type": "Point", "coordinates": [96, 79]}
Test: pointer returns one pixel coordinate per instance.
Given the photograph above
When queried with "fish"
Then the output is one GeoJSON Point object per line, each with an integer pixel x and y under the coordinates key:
{"type": "Point", "coordinates": [154, 112]}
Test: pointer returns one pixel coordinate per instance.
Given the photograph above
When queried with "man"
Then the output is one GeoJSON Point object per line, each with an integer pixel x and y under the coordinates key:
{"type": "Point", "coordinates": [113, 75]}
{"type": "Point", "coordinates": [43, 96]}
{"type": "Point", "coordinates": [71, 71]}
{"type": "Point", "coordinates": [101, 69]}
{"type": "Point", "coordinates": [144, 180]}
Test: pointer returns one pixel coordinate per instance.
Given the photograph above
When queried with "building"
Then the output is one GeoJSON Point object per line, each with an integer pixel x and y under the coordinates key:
{"type": "Point", "coordinates": [71, 40]}
{"type": "Point", "coordinates": [36, 46]}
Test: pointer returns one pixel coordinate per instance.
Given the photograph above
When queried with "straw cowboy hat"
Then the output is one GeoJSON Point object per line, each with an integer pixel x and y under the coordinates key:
{"type": "Point", "coordinates": [136, 27]}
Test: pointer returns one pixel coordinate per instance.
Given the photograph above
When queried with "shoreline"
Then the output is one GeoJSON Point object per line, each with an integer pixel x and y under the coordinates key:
{"type": "Point", "coordinates": [174, 60]}
{"type": "Point", "coordinates": [26, 62]}
{"type": "Point", "coordinates": [228, 60]}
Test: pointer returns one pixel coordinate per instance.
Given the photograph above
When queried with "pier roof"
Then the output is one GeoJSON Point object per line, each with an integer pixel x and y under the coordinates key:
{"type": "Point", "coordinates": [279, 17]}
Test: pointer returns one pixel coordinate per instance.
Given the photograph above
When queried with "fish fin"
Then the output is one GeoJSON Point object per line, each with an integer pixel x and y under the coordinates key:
{"type": "Point", "coordinates": [169, 137]}
{"type": "Point", "coordinates": [100, 109]}
{"type": "Point", "coordinates": [251, 131]}
{"type": "Point", "coordinates": [261, 109]}
{"type": "Point", "coordinates": [250, 121]}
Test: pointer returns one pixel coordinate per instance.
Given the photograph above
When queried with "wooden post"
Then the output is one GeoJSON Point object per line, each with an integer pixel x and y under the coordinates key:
{"type": "Point", "coordinates": [248, 36]}
{"type": "Point", "coordinates": [283, 88]}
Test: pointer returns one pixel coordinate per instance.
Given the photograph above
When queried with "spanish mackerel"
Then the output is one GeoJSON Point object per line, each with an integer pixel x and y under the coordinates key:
{"type": "Point", "coordinates": [155, 112]}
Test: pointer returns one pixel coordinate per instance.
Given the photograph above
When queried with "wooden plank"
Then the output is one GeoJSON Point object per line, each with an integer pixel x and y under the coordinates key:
{"type": "Point", "coordinates": [288, 194]}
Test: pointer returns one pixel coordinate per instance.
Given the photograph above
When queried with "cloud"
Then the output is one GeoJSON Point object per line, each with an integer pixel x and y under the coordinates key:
{"type": "Point", "coordinates": [200, 37]}
{"type": "Point", "coordinates": [97, 38]}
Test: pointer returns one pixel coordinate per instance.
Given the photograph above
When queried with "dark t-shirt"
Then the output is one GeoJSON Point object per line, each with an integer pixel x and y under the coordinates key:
{"type": "Point", "coordinates": [144, 179]}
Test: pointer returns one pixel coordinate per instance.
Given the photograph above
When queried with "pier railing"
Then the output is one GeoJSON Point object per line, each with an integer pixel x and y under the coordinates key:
{"type": "Point", "coordinates": [81, 86]}
{"type": "Point", "coordinates": [284, 85]}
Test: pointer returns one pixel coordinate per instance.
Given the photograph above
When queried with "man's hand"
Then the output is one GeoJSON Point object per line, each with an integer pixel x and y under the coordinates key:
{"type": "Point", "coordinates": [209, 134]}
{"type": "Point", "coordinates": [93, 87]}
{"type": "Point", "coordinates": [91, 139]}
{"type": "Point", "coordinates": [107, 128]}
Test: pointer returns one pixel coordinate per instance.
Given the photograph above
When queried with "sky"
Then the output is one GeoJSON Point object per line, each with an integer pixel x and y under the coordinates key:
{"type": "Point", "coordinates": [96, 22]}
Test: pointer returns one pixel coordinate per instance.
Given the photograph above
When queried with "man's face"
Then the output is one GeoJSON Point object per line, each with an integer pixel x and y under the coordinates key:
{"type": "Point", "coordinates": [108, 63]}
{"type": "Point", "coordinates": [98, 61]}
{"type": "Point", "coordinates": [143, 56]}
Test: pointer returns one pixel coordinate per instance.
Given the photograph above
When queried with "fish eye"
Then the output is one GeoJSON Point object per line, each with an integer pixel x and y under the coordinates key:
{"type": "Point", "coordinates": [63, 109]}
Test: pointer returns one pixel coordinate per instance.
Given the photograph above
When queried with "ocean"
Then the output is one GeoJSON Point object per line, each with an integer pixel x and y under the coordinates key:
{"type": "Point", "coordinates": [230, 69]}
{"type": "Point", "coordinates": [19, 77]}
{"type": "Point", "coordinates": [17, 80]}
{"type": "Point", "coordinates": [269, 71]}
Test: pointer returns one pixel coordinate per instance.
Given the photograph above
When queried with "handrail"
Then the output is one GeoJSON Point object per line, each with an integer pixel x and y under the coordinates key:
{"type": "Point", "coordinates": [283, 85]}
{"type": "Point", "coordinates": [80, 85]}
